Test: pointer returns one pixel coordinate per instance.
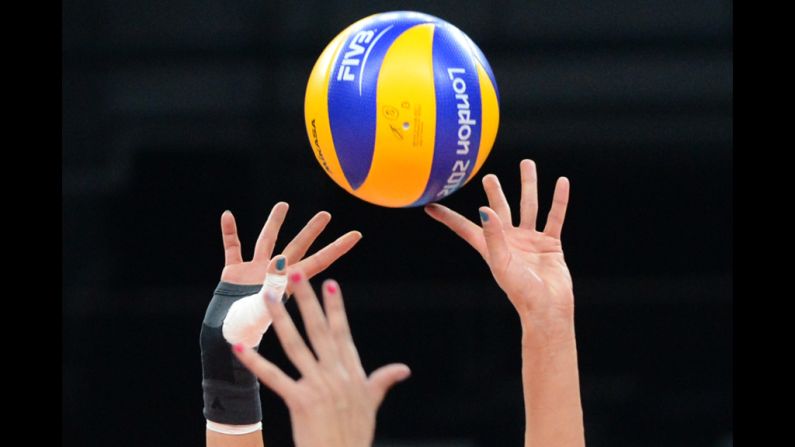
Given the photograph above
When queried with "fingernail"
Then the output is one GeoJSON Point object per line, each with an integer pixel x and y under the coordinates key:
{"type": "Point", "coordinates": [238, 347]}
{"type": "Point", "coordinates": [331, 288]}
{"type": "Point", "coordinates": [483, 216]}
{"type": "Point", "coordinates": [280, 263]}
{"type": "Point", "coordinates": [271, 296]}
{"type": "Point", "coordinates": [295, 277]}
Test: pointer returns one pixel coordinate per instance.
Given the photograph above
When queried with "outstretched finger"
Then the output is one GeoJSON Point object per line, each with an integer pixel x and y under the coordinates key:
{"type": "Point", "coordinates": [268, 373]}
{"type": "Point", "coordinates": [528, 204]}
{"type": "Point", "coordinates": [291, 341]}
{"type": "Point", "coordinates": [314, 321]}
{"type": "Point", "coordinates": [557, 213]}
{"type": "Point", "coordinates": [494, 233]}
{"type": "Point", "coordinates": [232, 253]}
{"type": "Point", "coordinates": [270, 232]}
{"type": "Point", "coordinates": [326, 256]}
{"type": "Point", "coordinates": [298, 247]}
{"type": "Point", "coordinates": [497, 200]}
{"type": "Point", "coordinates": [340, 330]}
{"type": "Point", "coordinates": [463, 227]}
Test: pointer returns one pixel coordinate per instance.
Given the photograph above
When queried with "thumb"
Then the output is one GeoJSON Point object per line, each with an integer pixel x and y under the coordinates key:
{"type": "Point", "coordinates": [384, 378]}
{"type": "Point", "coordinates": [275, 281]}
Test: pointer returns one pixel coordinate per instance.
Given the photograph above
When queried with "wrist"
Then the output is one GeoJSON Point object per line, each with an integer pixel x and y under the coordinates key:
{"type": "Point", "coordinates": [547, 331]}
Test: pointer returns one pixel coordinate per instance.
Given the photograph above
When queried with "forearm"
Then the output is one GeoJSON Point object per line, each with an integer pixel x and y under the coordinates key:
{"type": "Point", "coordinates": [550, 380]}
{"type": "Point", "coordinates": [231, 392]}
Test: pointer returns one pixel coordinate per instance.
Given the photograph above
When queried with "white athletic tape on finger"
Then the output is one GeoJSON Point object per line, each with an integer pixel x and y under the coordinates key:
{"type": "Point", "coordinates": [228, 429]}
{"type": "Point", "coordinates": [277, 283]}
{"type": "Point", "coordinates": [248, 318]}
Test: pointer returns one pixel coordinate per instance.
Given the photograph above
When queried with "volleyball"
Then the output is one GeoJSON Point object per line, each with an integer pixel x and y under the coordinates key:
{"type": "Point", "coordinates": [401, 109]}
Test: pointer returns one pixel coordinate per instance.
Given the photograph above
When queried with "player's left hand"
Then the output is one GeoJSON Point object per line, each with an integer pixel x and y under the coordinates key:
{"type": "Point", "coordinates": [237, 271]}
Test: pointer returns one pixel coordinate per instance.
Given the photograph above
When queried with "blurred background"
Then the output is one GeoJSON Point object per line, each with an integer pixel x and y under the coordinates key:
{"type": "Point", "coordinates": [175, 110]}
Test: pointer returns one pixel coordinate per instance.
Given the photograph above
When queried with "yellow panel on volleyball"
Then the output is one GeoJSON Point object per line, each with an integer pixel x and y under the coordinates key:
{"type": "Point", "coordinates": [316, 119]}
{"type": "Point", "coordinates": [405, 122]}
{"type": "Point", "coordinates": [490, 121]}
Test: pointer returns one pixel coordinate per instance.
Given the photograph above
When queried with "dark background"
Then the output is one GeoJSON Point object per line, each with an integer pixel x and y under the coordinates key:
{"type": "Point", "coordinates": [176, 110]}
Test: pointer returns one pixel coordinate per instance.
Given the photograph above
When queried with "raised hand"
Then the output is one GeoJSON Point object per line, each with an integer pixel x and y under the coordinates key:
{"type": "Point", "coordinates": [526, 263]}
{"type": "Point", "coordinates": [237, 271]}
{"type": "Point", "coordinates": [334, 403]}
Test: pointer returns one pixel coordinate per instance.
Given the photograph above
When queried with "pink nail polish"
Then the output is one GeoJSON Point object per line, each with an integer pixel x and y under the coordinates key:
{"type": "Point", "coordinates": [331, 288]}
{"type": "Point", "coordinates": [295, 277]}
{"type": "Point", "coordinates": [238, 347]}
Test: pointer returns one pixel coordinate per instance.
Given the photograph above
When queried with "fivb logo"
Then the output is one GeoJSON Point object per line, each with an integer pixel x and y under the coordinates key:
{"type": "Point", "coordinates": [355, 51]}
{"type": "Point", "coordinates": [352, 56]}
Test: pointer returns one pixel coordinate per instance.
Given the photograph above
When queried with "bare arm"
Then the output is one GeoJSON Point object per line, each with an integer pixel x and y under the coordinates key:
{"type": "Point", "coordinates": [529, 267]}
{"type": "Point", "coordinates": [550, 379]}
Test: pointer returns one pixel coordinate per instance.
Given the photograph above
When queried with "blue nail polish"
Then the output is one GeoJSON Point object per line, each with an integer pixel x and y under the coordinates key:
{"type": "Point", "coordinates": [484, 217]}
{"type": "Point", "coordinates": [280, 263]}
